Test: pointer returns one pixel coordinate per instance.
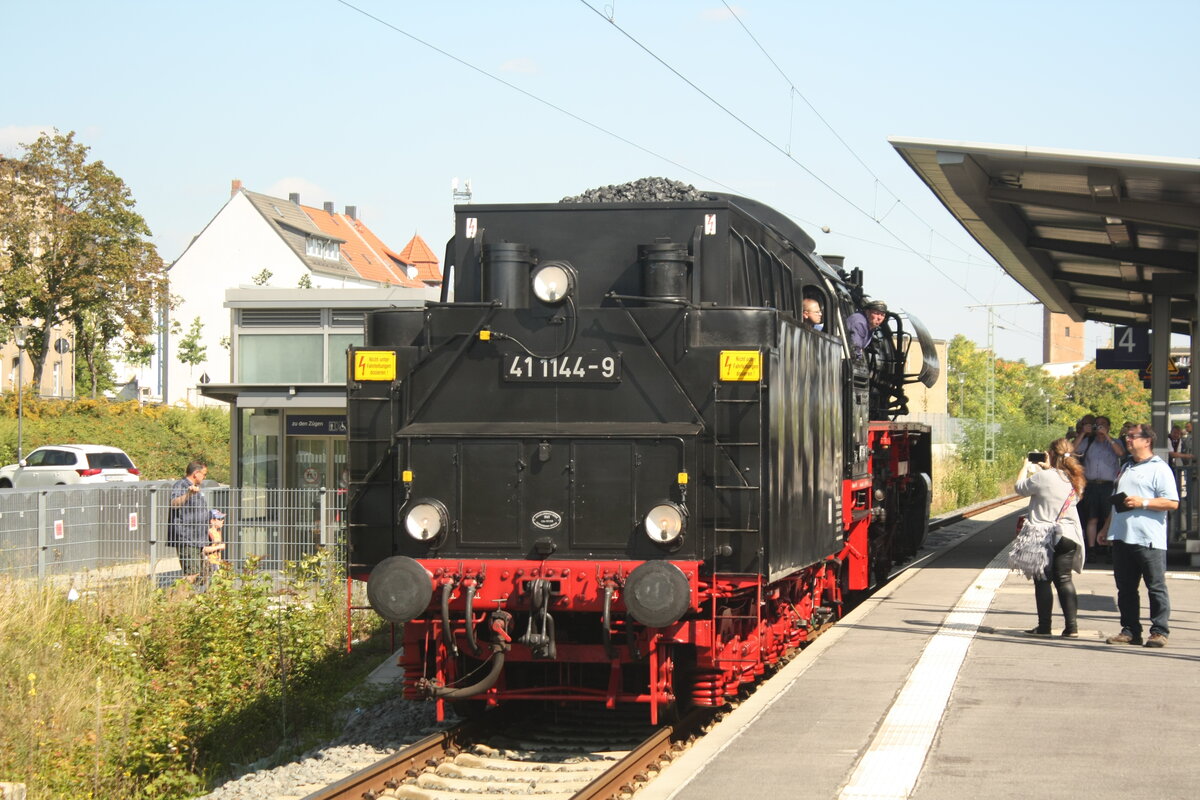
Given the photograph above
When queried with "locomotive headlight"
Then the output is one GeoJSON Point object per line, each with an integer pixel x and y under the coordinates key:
{"type": "Point", "coordinates": [425, 520]}
{"type": "Point", "coordinates": [553, 281]}
{"type": "Point", "coordinates": [664, 523]}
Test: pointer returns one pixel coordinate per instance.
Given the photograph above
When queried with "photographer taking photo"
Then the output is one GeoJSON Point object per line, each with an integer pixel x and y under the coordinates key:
{"type": "Point", "coordinates": [1052, 482]}
{"type": "Point", "coordinates": [1101, 456]}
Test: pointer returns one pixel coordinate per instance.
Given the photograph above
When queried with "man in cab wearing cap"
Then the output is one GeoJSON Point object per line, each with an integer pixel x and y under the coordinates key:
{"type": "Point", "coordinates": [862, 325]}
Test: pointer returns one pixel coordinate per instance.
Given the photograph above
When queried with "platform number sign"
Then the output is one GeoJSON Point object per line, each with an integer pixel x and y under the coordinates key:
{"type": "Point", "coordinates": [1130, 350]}
{"type": "Point", "coordinates": [1132, 342]}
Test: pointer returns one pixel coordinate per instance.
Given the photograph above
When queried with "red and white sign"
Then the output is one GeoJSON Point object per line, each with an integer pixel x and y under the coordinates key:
{"type": "Point", "coordinates": [133, 521]}
{"type": "Point", "coordinates": [310, 476]}
{"type": "Point", "coordinates": [58, 529]}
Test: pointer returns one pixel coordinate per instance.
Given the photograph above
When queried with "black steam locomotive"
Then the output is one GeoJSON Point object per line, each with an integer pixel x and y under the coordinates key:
{"type": "Point", "coordinates": [617, 467]}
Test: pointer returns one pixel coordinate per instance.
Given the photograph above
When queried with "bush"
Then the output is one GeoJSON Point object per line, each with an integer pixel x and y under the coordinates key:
{"type": "Point", "coordinates": [967, 479]}
{"type": "Point", "coordinates": [129, 691]}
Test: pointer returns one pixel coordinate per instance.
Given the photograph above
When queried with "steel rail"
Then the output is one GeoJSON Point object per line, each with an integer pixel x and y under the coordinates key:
{"type": "Point", "coordinates": [370, 782]}
{"type": "Point", "coordinates": [389, 773]}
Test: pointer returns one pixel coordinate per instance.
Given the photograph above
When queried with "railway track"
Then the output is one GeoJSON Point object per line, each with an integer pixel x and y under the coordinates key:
{"type": "Point", "coordinates": [567, 754]}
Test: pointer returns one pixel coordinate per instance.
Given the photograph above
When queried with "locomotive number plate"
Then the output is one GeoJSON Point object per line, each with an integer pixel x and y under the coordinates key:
{"type": "Point", "coordinates": [591, 367]}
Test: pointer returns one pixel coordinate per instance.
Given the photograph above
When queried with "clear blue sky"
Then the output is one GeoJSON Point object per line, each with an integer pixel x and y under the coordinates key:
{"type": "Point", "coordinates": [179, 98]}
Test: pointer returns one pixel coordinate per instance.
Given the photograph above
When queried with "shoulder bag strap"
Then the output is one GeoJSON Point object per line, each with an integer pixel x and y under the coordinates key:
{"type": "Point", "coordinates": [1066, 503]}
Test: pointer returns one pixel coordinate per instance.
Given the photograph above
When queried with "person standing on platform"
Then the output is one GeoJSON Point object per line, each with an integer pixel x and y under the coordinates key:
{"type": "Point", "coordinates": [1101, 456]}
{"type": "Point", "coordinates": [1053, 488]}
{"type": "Point", "coordinates": [1145, 492]}
{"type": "Point", "coordinates": [187, 520]}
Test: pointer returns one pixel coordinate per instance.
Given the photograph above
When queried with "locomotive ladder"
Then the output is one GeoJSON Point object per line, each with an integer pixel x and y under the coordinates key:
{"type": "Point", "coordinates": [740, 455]}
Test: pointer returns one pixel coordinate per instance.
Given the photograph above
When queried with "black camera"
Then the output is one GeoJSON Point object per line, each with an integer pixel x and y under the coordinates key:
{"type": "Point", "coordinates": [1036, 458]}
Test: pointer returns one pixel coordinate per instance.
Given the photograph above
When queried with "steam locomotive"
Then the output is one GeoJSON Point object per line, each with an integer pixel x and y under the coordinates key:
{"type": "Point", "coordinates": [617, 467]}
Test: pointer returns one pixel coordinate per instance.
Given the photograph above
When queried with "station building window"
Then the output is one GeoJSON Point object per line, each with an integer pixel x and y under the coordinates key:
{"type": "Point", "coordinates": [280, 358]}
{"type": "Point", "coordinates": [288, 395]}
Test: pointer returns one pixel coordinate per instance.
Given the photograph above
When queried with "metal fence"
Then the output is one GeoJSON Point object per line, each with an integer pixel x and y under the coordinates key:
{"type": "Point", "coordinates": [66, 530]}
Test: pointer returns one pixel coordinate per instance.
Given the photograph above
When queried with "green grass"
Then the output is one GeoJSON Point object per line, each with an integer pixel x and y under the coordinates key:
{"type": "Point", "coordinates": [130, 691]}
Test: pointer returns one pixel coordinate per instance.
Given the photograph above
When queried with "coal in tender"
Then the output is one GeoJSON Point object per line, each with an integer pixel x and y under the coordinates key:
{"type": "Point", "coordinates": [643, 190]}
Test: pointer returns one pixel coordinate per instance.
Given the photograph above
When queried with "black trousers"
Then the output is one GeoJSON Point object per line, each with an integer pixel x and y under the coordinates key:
{"type": "Point", "coordinates": [1058, 573]}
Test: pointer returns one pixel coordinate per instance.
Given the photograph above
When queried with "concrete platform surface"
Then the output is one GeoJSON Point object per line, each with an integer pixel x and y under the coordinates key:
{"type": "Point", "coordinates": [931, 690]}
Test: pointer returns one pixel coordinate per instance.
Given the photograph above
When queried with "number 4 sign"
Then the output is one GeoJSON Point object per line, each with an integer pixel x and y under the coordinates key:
{"type": "Point", "coordinates": [1130, 350]}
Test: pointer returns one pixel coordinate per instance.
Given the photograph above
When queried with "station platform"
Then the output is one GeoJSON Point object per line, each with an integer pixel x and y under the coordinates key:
{"type": "Point", "coordinates": [931, 690]}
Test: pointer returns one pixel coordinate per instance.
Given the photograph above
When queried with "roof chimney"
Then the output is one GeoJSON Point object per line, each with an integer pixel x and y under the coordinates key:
{"type": "Point", "coordinates": [235, 187]}
{"type": "Point", "coordinates": [352, 212]}
{"type": "Point", "coordinates": [328, 206]}
{"type": "Point", "coordinates": [294, 197]}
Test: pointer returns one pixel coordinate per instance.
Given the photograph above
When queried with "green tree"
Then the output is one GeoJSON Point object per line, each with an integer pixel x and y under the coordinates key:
{"type": "Point", "coordinates": [1023, 392]}
{"type": "Point", "coordinates": [1115, 393]}
{"type": "Point", "coordinates": [93, 362]}
{"type": "Point", "coordinates": [190, 350]}
{"type": "Point", "coordinates": [74, 247]}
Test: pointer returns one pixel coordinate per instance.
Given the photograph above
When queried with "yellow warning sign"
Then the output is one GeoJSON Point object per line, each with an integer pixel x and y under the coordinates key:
{"type": "Point", "coordinates": [741, 365]}
{"type": "Point", "coordinates": [1172, 369]}
{"type": "Point", "coordinates": [374, 365]}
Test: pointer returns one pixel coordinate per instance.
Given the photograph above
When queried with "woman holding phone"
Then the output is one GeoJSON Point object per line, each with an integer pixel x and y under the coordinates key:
{"type": "Point", "coordinates": [1053, 485]}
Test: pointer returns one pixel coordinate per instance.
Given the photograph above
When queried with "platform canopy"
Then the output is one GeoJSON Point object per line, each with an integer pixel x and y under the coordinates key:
{"type": "Point", "coordinates": [1091, 235]}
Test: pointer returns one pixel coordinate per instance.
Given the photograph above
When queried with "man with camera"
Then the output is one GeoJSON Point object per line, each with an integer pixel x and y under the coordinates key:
{"type": "Point", "coordinates": [1146, 491]}
{"type": "Point", "coordinates": [1101, 456]}
{"type": "Point", "coordinates": [187, 520]}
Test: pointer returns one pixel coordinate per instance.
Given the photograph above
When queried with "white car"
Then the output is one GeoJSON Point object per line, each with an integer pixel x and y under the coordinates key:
{"type": "Point", "coordinates": [60, 464]}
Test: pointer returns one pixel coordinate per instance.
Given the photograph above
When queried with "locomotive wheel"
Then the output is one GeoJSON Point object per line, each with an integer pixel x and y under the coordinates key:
{"type": "Point", "coordinates": [682, 680]}
{"type": "Point", "coordinates": [469, 709]}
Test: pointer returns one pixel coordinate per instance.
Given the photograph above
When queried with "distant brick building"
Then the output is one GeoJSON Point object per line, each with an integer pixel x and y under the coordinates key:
{"type": "Point", "coordinates": [1062, 339]}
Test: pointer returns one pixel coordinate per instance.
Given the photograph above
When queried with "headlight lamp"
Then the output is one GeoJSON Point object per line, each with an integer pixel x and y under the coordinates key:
{"type": "Point", "coordinates": [425, 520]}
{"type": "Point", "coordinates": [664, 523]}
{"type": "Point", "coordinates": [553, 281]}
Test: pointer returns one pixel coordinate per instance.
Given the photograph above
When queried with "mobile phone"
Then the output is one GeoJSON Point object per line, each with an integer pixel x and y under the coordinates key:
{"type": "Point", "coordinates": [1036, 458]}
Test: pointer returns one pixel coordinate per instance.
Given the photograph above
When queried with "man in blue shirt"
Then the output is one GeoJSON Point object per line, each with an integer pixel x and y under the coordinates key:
{"type": "Point", "coordinates": [187, 520]}
{"type": "Point", "coordinates": [1139, 538]}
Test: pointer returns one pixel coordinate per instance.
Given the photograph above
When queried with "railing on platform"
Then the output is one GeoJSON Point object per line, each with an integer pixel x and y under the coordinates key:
{"type": "Point", "coordinates": [65, 530]}
{"type": "Point", "coordinates": [1184, 523]}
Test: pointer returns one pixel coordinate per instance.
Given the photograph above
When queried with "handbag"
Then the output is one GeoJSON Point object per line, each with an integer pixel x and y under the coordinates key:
{"type": "Point", "coordinates": [1033, 548]}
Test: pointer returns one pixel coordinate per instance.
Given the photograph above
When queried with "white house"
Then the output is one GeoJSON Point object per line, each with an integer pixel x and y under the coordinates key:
{"type": "Point", "coordinates": [256, 239]}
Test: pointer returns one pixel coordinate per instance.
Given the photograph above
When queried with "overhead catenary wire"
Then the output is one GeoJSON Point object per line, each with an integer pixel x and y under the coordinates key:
{"type": "Point", "coordinates": [879, 181]}
{"type": "Point", "coordinates": [529, 94]}
{"type": "Point", "coordinates": [775, 146]}
{"type": "Point", "coordinates": [601, 129]}
{"type": "Point", "coordinates": [589, 123]}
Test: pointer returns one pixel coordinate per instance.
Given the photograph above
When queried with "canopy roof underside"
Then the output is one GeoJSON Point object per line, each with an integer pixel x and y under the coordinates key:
{"type": "Point", "coordinates": [1091, 235]}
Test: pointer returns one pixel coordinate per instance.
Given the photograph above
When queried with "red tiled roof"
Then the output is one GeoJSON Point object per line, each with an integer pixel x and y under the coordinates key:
{"type": "Point", "coordinates": [369, 256]}
{"type": "Point", "coordinates": [417, 253]}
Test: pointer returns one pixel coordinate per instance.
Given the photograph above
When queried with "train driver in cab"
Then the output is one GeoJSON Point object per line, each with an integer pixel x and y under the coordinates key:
{"type": "Point", "coordinates": [813, 317]}
{"type": "Point", "coordinates": [863, 324]}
